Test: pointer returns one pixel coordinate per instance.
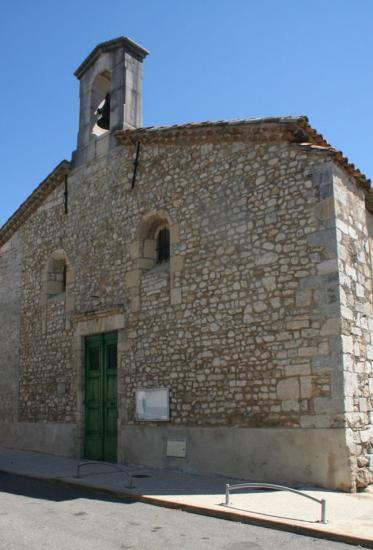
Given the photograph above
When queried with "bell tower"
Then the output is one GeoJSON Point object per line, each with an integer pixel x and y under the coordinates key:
{"type": "Point", "coordinates": [110, 95]}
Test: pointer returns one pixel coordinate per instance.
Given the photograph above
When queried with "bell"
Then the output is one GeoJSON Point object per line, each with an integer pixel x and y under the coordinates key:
{"type": "Point", "coordinates": [103, 120]}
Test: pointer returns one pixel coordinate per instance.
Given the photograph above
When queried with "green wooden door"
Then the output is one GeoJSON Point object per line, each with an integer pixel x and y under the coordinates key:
{"type": "Point", "coordinates": [101, 397]}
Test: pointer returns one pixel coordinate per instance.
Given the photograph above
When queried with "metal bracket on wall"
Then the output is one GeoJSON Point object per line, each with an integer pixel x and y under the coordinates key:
{"type": "Point", "coordinates": [65, 195]}
{"type": "Point", "coordinates": [135, 164]}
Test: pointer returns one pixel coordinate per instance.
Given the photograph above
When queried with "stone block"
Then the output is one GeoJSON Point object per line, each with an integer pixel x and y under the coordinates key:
{"type": "Point", "coordinates": [303, 298]}
{"type": "Point", "coordinates": [316, 421]}
{"type": "Point", "coordinates": [331, 327]}
{"type": "Point", "coordinates": [288, 389]}
{"type": "Point", "coordinates": [175, 234]}
{"type": "Point", "coordinates": [177, 263]}
{"type": "Point", "coordinates": [325, 209]}
{"type": "Point", "coordinates": [305, 387]}
{"type": "Point", "coordinates": [298, 324]}
{"type": "Point", "coordinates": [247, 315]}
{"type": "Point", "coordinates": [351, 386]}
{"type": "Point", "coordinates": [135, 304]}
{"type": "Point", "coordinates": [176, 297]}
{"type": "Point", "coordinates": [297, 370]}
{"type": "Point", "coordinates": [347, 344]}
{"type": "Point", "coordinates": [308, 351]}
{"type": "Point", "coordinates": [150, 249]}
{"type": "Point", "coordinates": [102, 145]}
{"type": "Point", "coordinates": [135, 250]}
{"type": "Point", "coordinates": [70, 275]}
{"type": "Point", "coordinates": [290, 406]}
{"type": "Point", "coordinates": [145, 263]}
{"type": "Point", "coordinates": [267, 258]}
{"type": "Point", "coordinates": [328, 266]}
{"type": "Point", "coordinates": [133, 278]}
{"type": "Point", "coordinates": [327, 405]}
{"type": "Point", "coordinates": [259, 307]}
{"type": "Point", "coordinates": [70, 303]}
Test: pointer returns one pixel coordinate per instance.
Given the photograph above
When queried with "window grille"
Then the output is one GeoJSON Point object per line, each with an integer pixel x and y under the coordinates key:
{"type": "Point", "coordinates": [163, 245]}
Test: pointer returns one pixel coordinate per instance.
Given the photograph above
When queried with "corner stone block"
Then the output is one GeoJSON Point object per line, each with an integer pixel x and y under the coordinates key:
{"type": "Point", "coordinates": [370, 352]}
{"type": "Point", "coordinates": [325, 209]}
{"type": "Point", "coordinates": [347, 344]}
{"type": "Point", "coordinates": [327, 405]}
{"type": "Point", "coordinates": [331, 327]}
{"type": "Point", "coordinates": [329, 266]}
{"type": "Point", "coordinates": [325, 238]}
{"type": "Point", "coordinates": [288, 389]}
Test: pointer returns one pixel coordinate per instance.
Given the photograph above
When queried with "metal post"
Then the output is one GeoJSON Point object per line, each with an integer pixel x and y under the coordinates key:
{"type": "Point", "coordinates": [227, 494]}
{"type": "Point", "coordinates": [323, 511]}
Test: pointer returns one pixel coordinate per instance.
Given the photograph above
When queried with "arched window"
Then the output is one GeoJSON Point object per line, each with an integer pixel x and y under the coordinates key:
{"type": "Point", "coordinates": [154, 241]}
{"type": "Point", "coordinates": [100, 103]}
{"type": "Point", "coordinates": [56, 275]}
{"type": "Point", "coordinates": [163, 245]}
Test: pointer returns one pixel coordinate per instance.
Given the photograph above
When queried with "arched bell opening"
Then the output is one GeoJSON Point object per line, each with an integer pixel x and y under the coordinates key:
{"type": "Point", "coordinates": [100, 103]}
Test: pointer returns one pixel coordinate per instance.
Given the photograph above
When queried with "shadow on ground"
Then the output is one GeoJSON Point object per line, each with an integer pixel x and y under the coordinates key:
{"type": "Point", "coordinates": [51, 490]}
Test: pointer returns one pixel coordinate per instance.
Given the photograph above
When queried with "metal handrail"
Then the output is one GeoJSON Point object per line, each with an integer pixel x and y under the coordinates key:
{"type": "Point", "coordinates": [229, 488]}
{"type": "Point", "coordinates": [80, 465]}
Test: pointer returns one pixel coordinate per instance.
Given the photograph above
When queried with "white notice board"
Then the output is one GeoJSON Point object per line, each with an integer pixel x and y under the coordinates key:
{"type": "Point", "coordinates": [152, 404]}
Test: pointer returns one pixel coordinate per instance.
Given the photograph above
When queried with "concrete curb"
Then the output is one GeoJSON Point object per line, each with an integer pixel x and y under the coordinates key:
{"type": "Point", "coordinates": [205, 511]}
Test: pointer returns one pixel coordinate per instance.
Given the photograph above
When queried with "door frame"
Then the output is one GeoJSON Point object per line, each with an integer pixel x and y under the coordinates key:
{"type": "Point", "coordinates": [89, 324]}
{"type": "Point", "coordinates": [103, 442]}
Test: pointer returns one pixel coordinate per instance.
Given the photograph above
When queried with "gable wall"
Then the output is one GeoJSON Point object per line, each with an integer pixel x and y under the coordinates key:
{"type": "Point", "coordinates": [242, 327]}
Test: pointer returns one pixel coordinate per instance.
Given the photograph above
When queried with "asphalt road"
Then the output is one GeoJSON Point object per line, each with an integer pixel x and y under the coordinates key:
{"type": "Point", "coordinates": [37, 515]}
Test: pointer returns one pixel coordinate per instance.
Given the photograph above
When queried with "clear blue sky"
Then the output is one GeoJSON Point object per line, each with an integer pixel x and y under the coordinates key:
{"type": "Point", "coordinates": [210, 60]}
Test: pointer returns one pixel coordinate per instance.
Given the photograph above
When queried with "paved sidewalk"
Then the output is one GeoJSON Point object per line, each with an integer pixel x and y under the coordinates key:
{"type": "Point", "coordinates": [350, 516]}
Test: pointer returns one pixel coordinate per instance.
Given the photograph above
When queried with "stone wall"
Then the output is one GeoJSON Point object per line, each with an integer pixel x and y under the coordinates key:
{"type": "Point", "coordinates": [243, 323]}
{"type": "Point", "coordinates": [47, 393]}
{"type": "Point", "coordinates": [354, 232]}
{"type": "Point", "coordinates": [10, 303]}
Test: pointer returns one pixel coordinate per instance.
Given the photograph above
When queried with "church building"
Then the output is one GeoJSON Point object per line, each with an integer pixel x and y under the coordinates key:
{"type": "Point", "coordinates": [195, 297]}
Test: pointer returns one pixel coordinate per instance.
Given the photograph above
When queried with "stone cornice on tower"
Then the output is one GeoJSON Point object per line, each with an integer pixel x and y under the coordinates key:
{"type": "Point", "coordinates": [134, 49]}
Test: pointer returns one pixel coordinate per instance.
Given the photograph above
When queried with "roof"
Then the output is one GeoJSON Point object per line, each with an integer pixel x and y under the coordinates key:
{"type": "Point", "coordinates": [37, 197]}
{"type": "Point", "coordinates": [121, 42]}
{"type": "Point", "coordinates": [297, 129]}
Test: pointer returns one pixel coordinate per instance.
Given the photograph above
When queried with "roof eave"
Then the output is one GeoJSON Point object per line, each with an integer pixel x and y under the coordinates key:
{"type": "Point", "coordinates": [33, 201]}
